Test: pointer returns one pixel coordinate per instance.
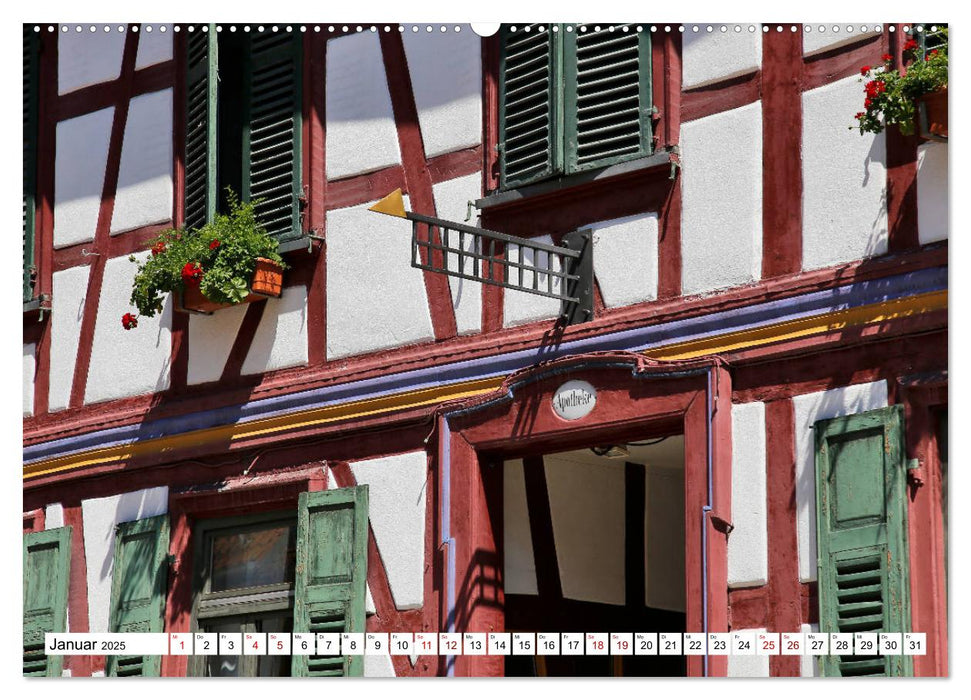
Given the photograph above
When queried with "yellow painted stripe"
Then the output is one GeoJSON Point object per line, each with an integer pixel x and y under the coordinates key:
{"type": "Point", "coordinates": [873, 313]}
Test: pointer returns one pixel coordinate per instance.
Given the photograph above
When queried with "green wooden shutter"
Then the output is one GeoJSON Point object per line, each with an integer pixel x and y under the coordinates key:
{"type": "Point", "coordinates": [861, 524]}
{"type": "Point", "coordinates": [332, 532]}
{"type": "Point", "coordinates": [138, 585]}
{"type": "Point", "coordinates": [200, 127]}
{"type": "Point", "coordinates": [31, 72]}
{"type": "Point", "coordinates": [272, 129]}
{"type": "Point", "coordinates": [607, 96]}
{"type": "Point", "coordinates": [47, 571]}
{"type": "Point", "coordinates": [529, 105]}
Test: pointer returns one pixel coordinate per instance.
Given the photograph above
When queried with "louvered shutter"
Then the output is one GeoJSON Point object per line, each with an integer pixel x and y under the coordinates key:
{"type": "Point", "coordinates": [861, 524]}
{"type": "Point", "coordinates": [47, 570]}
{"type": "Point", "coordinates": [607, 96]}
{"type": "Point", "coordinates": [271, 137]}
{"type": "Point", "coordinates": [31, 71]}
{"type": "Point", "coordinates": [528, 105]}
{"type": "Point", "coordinates": [138, 584]}
{"type": "Point", "coordinates": [200, 127]}
{"type": "Point", "coordinates": [332, 532]}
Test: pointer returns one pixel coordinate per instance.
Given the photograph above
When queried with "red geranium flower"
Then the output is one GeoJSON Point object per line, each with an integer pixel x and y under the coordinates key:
{"type": "Point", "coordinates": [158, 248]}
{"type": "Point", "coordinates": [864, 70]}
{"type": "Point", "coordinates": [910, 45]}
{"type": "Point", "coordinates": [129, 321]}
{"type": "Point", "coordinates": [192, 273]}
{"type": "Point", "coordinates": [930, 55]}
{"type": "Point", "coordinates": [887, 58]}
{"type": "Point", "coordinates": [213, 245]}
{"type": "Point", "coordinates": [867, 102]}
{"type": "Point", "coordinates": [860, 115]}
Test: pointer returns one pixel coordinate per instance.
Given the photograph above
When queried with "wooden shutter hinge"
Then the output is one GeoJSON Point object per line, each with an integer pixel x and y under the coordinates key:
{"type": "Point", "coordinates": [915, 474]}
{"type": "Point", "coordinates": [720, 524]}
{"type": "Point", "coordinates": [674, 158]}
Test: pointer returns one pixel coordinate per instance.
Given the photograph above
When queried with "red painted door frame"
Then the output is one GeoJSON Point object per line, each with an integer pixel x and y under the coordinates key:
{"type": "Point", "coordinates": [635, 397]}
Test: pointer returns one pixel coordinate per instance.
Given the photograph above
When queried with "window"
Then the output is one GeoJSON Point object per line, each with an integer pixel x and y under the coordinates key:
{"type": "Point", "coordinates": [243, 125]}
{"type": "Point", "coordinates": [572, 98]}
{"type": "Point", "coordinates": [861, 525]}
{"type": "Point", "coordinates": [31, 71]}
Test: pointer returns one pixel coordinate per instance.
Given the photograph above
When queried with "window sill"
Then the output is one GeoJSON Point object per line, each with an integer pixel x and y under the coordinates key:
{"type": "Point", "coordinates": [659, 158]}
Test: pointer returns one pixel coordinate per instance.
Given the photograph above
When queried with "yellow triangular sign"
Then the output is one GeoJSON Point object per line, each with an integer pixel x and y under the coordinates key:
{"type": "Point", "coordinates": [393, 205]}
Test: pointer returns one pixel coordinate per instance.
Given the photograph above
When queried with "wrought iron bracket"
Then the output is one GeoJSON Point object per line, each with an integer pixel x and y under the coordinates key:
{"type": "Point", "coordinates": [581, 288]}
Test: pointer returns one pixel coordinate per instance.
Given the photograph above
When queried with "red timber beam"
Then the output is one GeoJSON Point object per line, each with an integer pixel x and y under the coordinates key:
{"type": "Point", "coordinates": [77, 597]}
{"type": "Point", "coordinates": [901, 171]}
{"type": "Point", "coordinates": [315, 221]}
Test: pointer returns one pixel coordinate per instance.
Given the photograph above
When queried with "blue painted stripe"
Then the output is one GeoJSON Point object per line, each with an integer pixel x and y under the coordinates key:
{"type": "Point", "coordinates": [636, 339]}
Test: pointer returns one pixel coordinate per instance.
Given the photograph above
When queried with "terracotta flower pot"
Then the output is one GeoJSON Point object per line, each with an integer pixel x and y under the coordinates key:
{"type": "Point", "coordinates": [932, 115]}
{"type": "Point", "coordinates": [267, 281]}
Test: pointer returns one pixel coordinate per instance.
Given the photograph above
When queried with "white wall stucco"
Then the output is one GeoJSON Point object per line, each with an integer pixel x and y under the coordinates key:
{"type": "Point", "coordinates": [79, 172]}
{"type": "Point", "coordinates": [708, 57]}
{"type": "Point", "coordinates": [844, 176]}
{"type": "Point", "coordinates": [361, 132]}
{"type": "Point", "coordinates": [378, 666]}
{"type": "Point", "coordinates": [808, 665]}
{"type": "Point", "coordinates": [451, 202]}
{"type": "Point", "coordinates": [748, 557]}
{"type": "Point", "coordinates": [281, 337]}
{"type": "Point", "coordinates": [446, 78]}
{"type": "Point", "coordinates": [28, 370]}
{"type": "Point", "coordinates": [748, 666]}
{"type": "Point", "coordinates": [86, 58]}
{"type": "Point", "coordinates": [375, 298]}
{"type": "Point", "coordinates": [396, 502]}
{"type": "Point", "coordinates": [211, 339]}
{"type": "Point", "coordinates": [625, 259]}
{"type": "Point", "coordinates": [932, 195]}
{"type": "Point", "coordinates": [520, 307]}
{"type": "Point", "coordinates": [816, 41]}
{"type": "Point", "coordinates": [144, 193]}
{"type": "Point", "coordinates": [721, 214]}
{"type": "Point", "coordinates": [519, 563]}
{"type": "Point", "coordinates": [154, 46]}
{"type": "Point", "coordinates": [70, 288]}
{"type": "Point", "coordinates": [53, 516]}
{"type": "Point", "coordinates": [807, 409]}
{"type": "Point", "coordinates": [100, 516]}
{"type": "Point", "coordinates": [127, 362]}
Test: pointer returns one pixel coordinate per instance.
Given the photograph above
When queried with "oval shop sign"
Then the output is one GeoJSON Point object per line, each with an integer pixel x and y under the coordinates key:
{"type": "Point", "coordinates": [574, 399]}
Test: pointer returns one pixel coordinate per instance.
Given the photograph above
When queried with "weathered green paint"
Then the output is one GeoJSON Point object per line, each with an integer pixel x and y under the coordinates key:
{"type": "Point", "coordinates": [31, 69]}
{"type": "Point", "coordinates": [332, 532]}
{"type": "Point", "coordinates": [47, 571]}
{"type": "Point", "coordinates": [272, 130]}
{"type": "Point", "coordinates": [201, 97]}
{"type": "Point", "coordinates": [861, 525]}
{"type": "Point", "coordinates": [138, 584]}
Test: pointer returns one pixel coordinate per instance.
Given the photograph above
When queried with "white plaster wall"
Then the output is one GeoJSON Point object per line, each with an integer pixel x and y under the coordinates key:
{"type": "Point", "coordinates": [154, 46]}
{"type": "Point", "coordinates": [79, 172]}
{"type": "Point", "coordinates": [817, 41]}
{"type": "Point", "coordinates": [708, 57]}
{"type": "Point", "coordinates": [753, 666]}
{"type": "Point", "coordinates": [281, 337]}
{"type": "Point", "coordinates": [53, 516]}
{"type": "Point", "coordinates": [375, 298]}
{"type": "Point", "coordinates": [28, 370]}
{"type": "Point", "coordinates": [211, 339]}
{"type": "Point", "coordinates": [369, 607]}
{"type": "Point", "coordinates": [378, 666]}
{"type": "Point", "coordinates": [521, 307]}
{"type": "Point", "coordinates": [932, 195]}
{"type": "Point", "coordinates": [396, 501]}
{"type": "Point", "coordinates": [451, 202]}
{"type": "Point", "coordinates": [446, 78]}
{"type": "Point", "coordinates": [70, 288]}
{"type": "Point", "coordinates": [86, 58]}
{"type": "Point", "coordinates": [123, 362]}
{"type": "Point", "coordinates": [100, 516]}
{"type": "Point", "coordinates": [664, 538]}
{"type": "Point", "coordinates": [721, 219]}
{"type": "Point", "coordinates": [144, 193]}
{"type": "Point", "coordinates": [748, 557]}
{"type": "Point", "coordinates": [361, 133]}
{"type": "Point", "coordinates": [844, 176]}
{"type": "Point", "coordinates": [625, 259]}
{"type": "Point", "coordinates": [807, 409]}
{"type": "Point", "coordinates": [591, 558]}
{"type": "Point", "coordinates": [808, 665]}
{"type": "Point", "coordinates": [519, 563]}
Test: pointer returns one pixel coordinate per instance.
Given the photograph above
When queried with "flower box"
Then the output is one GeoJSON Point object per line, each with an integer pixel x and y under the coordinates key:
{"type": "Point", "coordinates": [932, 115]}
{"type": "Point", "coordinates": [267, 282]}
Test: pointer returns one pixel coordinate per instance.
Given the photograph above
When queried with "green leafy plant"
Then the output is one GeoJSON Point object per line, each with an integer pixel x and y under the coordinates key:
{"type": "Point", "coordinates": [891, 94]}
{"type": "Point", "coordinates": [219, 258]}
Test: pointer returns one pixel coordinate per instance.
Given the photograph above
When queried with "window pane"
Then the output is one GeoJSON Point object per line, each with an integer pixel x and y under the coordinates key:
{"type": "Point", "coordinates": [253, 558]}
{"type": "Point", "coordinates": [224, 665]}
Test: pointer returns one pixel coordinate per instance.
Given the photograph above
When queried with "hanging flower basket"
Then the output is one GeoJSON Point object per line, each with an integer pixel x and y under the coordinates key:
{"type": "Point", "coordinates": [267, 282]}
{"type": "Point", "coordinates": [932, 115]}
